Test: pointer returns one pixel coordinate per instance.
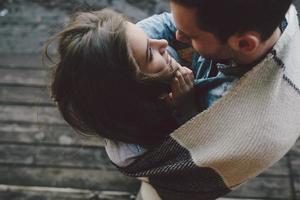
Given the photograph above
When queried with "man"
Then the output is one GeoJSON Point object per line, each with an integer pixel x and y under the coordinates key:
{"type": "Point", "coordinates": [249, 57]}
{"type": "Point", "coordinates": [243, 31]}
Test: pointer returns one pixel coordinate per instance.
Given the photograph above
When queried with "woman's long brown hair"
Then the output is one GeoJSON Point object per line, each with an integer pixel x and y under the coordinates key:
{"type": "Point", "coordinates": [98, 86]}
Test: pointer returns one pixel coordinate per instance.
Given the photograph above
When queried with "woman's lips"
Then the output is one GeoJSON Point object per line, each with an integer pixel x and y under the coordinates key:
{"type": "Point", "coordinates": [172, 63]}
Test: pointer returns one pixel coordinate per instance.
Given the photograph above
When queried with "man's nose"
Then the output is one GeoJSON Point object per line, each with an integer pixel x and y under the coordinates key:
{"type": "Point", "coordinates": [182, 38]}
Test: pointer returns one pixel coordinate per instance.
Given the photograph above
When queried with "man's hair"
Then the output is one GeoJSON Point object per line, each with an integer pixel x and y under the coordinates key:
{"type": "Point", "coordinates": [225, 18]}
{"type": "Point", "coordinates": [98, 86]}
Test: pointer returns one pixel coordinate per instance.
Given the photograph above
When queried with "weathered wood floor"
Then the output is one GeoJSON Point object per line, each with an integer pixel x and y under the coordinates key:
{"type": "Point", "coordinates": [41, 158]}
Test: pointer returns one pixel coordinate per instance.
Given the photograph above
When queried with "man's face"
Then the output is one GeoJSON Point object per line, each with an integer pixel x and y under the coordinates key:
{"type": "Point", "coordinates": [205, 43]}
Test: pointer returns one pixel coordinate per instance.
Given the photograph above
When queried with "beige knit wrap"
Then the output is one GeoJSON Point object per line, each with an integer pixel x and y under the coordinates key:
{"type": "Point", "coordinates": [257, 121]}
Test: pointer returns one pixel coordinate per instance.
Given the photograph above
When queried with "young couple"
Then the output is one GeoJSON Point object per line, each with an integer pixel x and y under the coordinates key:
{"type": "Point", "coordinates": [123, 82]}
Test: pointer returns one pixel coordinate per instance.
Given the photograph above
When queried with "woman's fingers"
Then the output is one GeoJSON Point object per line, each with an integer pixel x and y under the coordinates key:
{"type": "Point", "coordinates": [181, 85]}
{"type": "Point", "coordinates": [176, 87]}
{"type": "Point", "coordinates": [181, 80]}
{"type": "Point", "coordinates": [186, 78]}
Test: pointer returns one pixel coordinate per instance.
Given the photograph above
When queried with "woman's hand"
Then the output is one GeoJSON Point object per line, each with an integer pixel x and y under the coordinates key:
{"type": "Point", "coordinates": [181, 86]}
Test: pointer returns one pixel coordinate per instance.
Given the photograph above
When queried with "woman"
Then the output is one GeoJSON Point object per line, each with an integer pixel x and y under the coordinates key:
{"type": "Point", "coordinates": [112, 80]}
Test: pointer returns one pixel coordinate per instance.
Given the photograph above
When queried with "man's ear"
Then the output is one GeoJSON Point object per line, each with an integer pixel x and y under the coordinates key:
{"type": "Point", "coordinates": [245, 43]}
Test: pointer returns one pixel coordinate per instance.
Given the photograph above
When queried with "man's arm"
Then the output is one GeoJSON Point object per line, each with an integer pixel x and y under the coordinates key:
{"type": "Point", "coordinates": [159, 26]}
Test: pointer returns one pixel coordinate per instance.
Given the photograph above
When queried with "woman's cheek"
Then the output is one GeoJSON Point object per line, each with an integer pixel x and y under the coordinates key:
{"type": "Point", "coordinates": [157, 66]}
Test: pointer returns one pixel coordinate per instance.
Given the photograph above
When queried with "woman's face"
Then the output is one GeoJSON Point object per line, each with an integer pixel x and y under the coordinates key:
{"type": "Point", "coordinates": [150, 54]}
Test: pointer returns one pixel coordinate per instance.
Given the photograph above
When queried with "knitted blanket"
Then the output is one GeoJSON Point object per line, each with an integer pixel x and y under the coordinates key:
{"type": "Point", "coordinates": [241, 135]}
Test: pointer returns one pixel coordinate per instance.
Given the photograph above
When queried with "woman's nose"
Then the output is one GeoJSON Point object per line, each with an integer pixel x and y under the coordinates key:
{"type": "Point", "coordinates": [161, 45]}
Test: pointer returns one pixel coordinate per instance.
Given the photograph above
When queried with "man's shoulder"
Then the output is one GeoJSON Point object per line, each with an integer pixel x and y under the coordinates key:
{"type": "Point", "coordinates": [286, 50]}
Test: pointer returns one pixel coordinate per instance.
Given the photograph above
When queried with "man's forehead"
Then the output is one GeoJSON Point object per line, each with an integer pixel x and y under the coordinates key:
{"type": "Point", "coordinates": [185, 18]}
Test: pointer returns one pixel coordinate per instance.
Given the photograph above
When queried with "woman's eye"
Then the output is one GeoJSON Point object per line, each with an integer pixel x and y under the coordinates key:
{"type": "Point", "coordinates": [150, 54]}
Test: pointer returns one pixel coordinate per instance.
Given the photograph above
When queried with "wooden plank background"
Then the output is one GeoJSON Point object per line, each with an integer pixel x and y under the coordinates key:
{"type": "Point", "coordinates": [41, 157]}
